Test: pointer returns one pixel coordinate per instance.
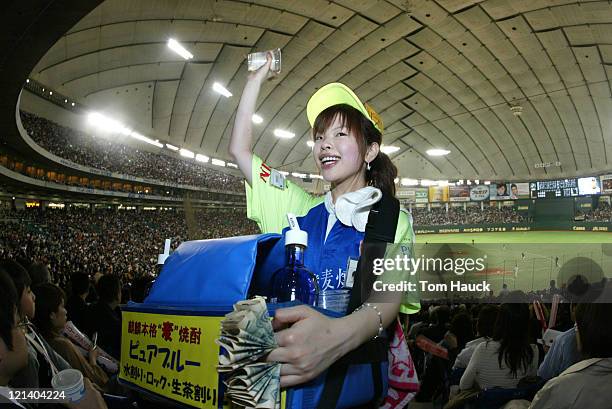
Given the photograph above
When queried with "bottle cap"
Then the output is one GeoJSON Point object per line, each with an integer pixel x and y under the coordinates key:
{"type": "Point", "coordinates": [294, 235]}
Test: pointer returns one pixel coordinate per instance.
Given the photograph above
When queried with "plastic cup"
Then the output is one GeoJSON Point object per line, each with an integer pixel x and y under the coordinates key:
{"type": "Point", "coordinates": [257, 60]}
{"type": "Point", "coordinates": [335, 300]}
{"type": "Point", "coordinates": [69, 381]}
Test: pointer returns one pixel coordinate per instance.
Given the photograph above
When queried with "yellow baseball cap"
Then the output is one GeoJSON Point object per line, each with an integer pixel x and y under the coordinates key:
{"type": "Point", "coordinates": [335, 94]}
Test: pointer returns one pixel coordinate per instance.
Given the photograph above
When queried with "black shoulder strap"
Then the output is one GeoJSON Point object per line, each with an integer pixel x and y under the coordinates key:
{"type": "Point", "coordinates": [379, 231]}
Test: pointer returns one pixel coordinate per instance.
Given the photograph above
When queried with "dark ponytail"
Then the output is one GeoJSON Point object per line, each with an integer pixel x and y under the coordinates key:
{"type": "Point", "coordinates": [382, 171]}
{"type": "Point", "coordinates": [382, 174]}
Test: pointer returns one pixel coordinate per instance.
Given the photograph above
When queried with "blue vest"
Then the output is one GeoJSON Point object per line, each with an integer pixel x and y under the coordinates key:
{"type": "Point", "coordinates": [327, 259]}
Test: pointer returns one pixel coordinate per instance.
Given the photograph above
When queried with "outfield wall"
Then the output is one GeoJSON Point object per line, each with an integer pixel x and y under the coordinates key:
{"type": "Point", "coordinates": [502, 227]}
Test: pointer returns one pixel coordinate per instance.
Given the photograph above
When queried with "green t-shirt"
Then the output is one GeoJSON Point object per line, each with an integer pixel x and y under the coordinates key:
{"type": "Point", "coordinates": [271, 197]}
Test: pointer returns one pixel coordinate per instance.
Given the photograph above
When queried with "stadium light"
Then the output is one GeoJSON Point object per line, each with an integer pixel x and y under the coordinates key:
{"type": "Point", "coordinates": [172, 147]}
{"type": "Point", "coordinates": [313, 176]}
{"type": "Point", "coordinates": [256, 119]}
{"type": "Point", "coordinates": [282, 172]}
{"type": "Point", "coordinates": [107, 124]}
{"type": "Point", "coordinates": [437, 152]}
{"type": "Point", "coordinates": [389, 149]}
{"type": "Point", "coordinates": [409, 182]}
{"type": "Point", "coordinates": [202, 158]}
{"type": "Point", "coordinates": [218, 162]}
{"type": "Point", "coordinates": [469, 182]}
{"type": "Point", "coordinates": [310, 144]}
{"type": "Point", "coordinates": [27, 80]}
{"type": "Point", "coordinates": [73, 104]}
{"type": "Point", "coordinates": [220, 89]}
{"type": "Point", "coordinates": [50, 92]}
{"type": "Point", "coordinates": [143, 138]}
{"type": "Point", "coordinates": [476, 181]}
{"type": "Point", "coordinates": [298, 175]}
{"type": "Point", "coordinates": [487, 182]}
{"type": "Point", "coordinates": [179, 49]}
{"type": "Point", "coordinates": [232, 165]}
{"type": "Point", "coordinates": [187, 153]}
{"type": "Point", "coordinates": [281, 133]}
{"type": "Point", "coordinates": [427, 182]}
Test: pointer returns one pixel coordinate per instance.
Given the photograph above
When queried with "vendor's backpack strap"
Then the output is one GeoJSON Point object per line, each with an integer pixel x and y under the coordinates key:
{"type": "Point", "coordinates": [380, 230]}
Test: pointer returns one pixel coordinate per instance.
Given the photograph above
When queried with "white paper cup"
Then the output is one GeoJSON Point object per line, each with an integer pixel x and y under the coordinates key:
{"type": "Point", "coordinates": [69, 381]}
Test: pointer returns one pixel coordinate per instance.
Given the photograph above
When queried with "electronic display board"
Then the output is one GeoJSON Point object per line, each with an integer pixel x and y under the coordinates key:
{"type": "Point", "coordinates": [554, 188]}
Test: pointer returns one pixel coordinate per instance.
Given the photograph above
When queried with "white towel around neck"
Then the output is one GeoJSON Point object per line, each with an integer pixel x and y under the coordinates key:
{"type": "Point", "coordinates": [353, 208]}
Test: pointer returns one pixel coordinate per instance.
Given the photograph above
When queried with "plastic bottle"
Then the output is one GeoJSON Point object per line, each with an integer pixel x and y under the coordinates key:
{"type": "Point", "coordinates": [294, 281]}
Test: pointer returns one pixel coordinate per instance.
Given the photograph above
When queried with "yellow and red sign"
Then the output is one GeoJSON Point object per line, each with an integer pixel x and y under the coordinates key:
{"type": "Point", "coordinates": [174, 356]}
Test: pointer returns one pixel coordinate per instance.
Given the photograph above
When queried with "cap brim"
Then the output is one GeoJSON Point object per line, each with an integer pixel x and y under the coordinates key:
{"type": "Point", "coordinates": [330, 95]}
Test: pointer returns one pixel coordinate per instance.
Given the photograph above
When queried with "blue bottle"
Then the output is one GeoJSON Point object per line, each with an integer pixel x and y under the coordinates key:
{"type": "Point", "coordinates": [294, 281]}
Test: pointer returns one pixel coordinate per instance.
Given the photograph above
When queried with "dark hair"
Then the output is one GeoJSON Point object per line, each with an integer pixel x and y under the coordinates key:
{"type": "Point", "coordinates": [19, 275]}
{"type": "Point", "coordinates": [108, 287]}
{"type": "Point", "coordinates": [39, 274]}
{"type": "Point", "coordinates": [486, 320]}
{"type": "Point", "coordinates": [8, 305]}
{"type": "Point", "coordinates": [80, 283]}
{"type": "Point", "coordinates": [441, 315]}
{"type": "Point", "coordinates": [461, 326]}
{"type": "Point", "coordinates": [594, 329]}
{"type": "Point", "coordinates": [512, 332]}
{"type": "Point", "coordinates": [48, 299]}
{"type": "Point", "coordinates": [513, 185]}
{"type": "Point", "coordinates": [383, 172]}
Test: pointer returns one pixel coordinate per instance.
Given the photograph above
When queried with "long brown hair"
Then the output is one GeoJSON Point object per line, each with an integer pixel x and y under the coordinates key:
{"type": "Point", "coordinates": [382, 171]}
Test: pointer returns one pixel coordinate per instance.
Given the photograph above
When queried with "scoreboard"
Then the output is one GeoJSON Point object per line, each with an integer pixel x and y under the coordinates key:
{"type": "Point", "coordinates": [554, 188]}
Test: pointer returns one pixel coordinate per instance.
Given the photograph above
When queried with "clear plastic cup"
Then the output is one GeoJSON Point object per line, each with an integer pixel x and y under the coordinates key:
{"type": "Point", "coordinates": [257, 60]}
{"type": "Point", "coordinates": [335, 300]}
{"type": "Point", "coordinates": [69, 381]}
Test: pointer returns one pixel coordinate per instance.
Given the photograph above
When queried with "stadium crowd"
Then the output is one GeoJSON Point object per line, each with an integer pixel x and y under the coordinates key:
{"type": "Point", "coordinates": [474, 215]}
{"type": "Point", "coordinates": [603, 213]}
{"type": "Point", "coordinates": [104, 154]}
{"type": "Point", "coordinates": [121, 242]}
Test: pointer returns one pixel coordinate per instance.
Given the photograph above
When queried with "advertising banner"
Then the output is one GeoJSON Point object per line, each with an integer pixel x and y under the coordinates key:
{"type": "Point", "coordinates": [174, 356]}
{"type": "Point", "coordinates": [459, 193]}
{"type": "Point", "coordinates": [589, 186]}
{"type": "Point", "coordinates": [438, 194]}
{"type": "Point", "coordinates": [421, 194]}
{"type": "Point", "coordinates": [479, 193]}
{"type": "Point", "coordinates": [606, 184]}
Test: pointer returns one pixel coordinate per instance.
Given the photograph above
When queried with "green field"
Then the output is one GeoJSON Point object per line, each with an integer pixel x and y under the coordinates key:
{"type": "Point", "coordinates": [526, 260]}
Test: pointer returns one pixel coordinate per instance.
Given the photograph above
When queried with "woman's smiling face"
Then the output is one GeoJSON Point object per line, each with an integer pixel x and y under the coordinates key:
{"type": "Point", "coordinates": [336, 153]}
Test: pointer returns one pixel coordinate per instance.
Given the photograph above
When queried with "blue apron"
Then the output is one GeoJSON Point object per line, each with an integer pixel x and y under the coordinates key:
{"type": "Point", "coordinates": [327, 259]}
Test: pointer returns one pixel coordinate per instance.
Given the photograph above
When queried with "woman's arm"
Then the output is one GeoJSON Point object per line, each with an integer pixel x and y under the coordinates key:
{"type": "Point", "coordinates": [469, 376]}
{"type": "Point", "coordinates": [241, 141]}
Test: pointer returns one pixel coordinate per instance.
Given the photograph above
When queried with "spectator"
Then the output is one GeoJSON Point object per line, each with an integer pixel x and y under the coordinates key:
{"type": "Point", "coordinates": [586, 383]}
{"type": "Point", "coordinates": [562, 354]}
{"type": "Point", "coordinates": [105, 317]}
{"type": "Point", "coordinates": [104, 154]}
{"type": "Point", "coordinates": [77, 307]}
{"type": "Point", "coordinates": [39, 273]}
{"type": "Point", "coordinates": [43, 361]}
{"type": "Point", "coordinates": [50, 319]}
{"type": "Point", "coordinates": [484, 327]}
{"type": "Point", "coordinates": [508, 357]}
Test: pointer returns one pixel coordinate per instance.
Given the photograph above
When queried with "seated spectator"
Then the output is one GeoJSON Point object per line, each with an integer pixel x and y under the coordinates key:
{"type": "Point", "coordinates": [562, 354]}
{"type": "Point", "coordinates": [105, 317]}
{"type": "Point", "coordinates": [39, 273]}
{"type": "Point", "coordinates": [14, 352]}
{"type": "Point", "coordinates": [76, 306]}
{"type": "Point", "coordinates": [43, 361]}
{"type": "Point", "coordinates": [508, 357]}
{"type": "Point", "coordinates": [440, 322]}
{"type": "Point", "coordinates": [484, 327]}
{"type": "Point", "coordinates": [51, 319]}
{"type": "Point", "coordinates": [585, 384]}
